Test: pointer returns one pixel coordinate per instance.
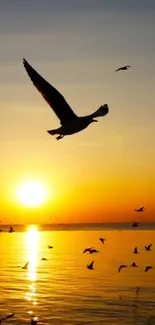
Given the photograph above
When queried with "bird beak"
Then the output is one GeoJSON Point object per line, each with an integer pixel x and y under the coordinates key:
{"type": "Point", "coordinates": [94, 120]}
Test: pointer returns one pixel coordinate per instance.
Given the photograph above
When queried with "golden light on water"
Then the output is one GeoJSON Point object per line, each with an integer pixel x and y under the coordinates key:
{"type": "Point", "coordinates": [32, 241]}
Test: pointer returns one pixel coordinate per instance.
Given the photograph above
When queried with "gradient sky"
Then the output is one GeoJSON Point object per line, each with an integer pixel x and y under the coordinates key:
{"type": "Point", "coordinates": [104, 172]}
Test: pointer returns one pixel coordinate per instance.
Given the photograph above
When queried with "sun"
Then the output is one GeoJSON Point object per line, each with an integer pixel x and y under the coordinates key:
{"type": "Point", "coordinates": [32, 193]}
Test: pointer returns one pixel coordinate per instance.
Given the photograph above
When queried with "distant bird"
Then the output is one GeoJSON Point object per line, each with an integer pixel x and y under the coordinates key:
{"type": "Point", "coordinates": [92, 251]}
{"type": "Point", "coordinates": [6, 317]}
{"type": "Point", "coordinates": [140, 209]}
{"type": "Point", "coordinates": [44, 259]}
{"type": "Point", "coordinates": [148, 268]}
{"type": "Point", "coordinates": [148, 248]}
{"type": "Point", "coordinates": [102, 240]}
{"type": "Point", "coordinates": [124, 68]}
{"type": "Point", "coordinates": [25, 267]}
{"type": "Point", "coordinates": [121, 267]}
{"type": "Point", "coordinates": [87, 249]}
{"type": "Point", "coordinates": [11, 229]}
{"type": "Point", "coordinates": [134, 264]}
{"type": "Point", "coordinates": [134, 224]}
{"type": "Point", "coordinates": [90, 266]}
{"type": "Point", "coordinates": [135, 251]}
{"type": "Point", "coordinates": [70, 122]}
{"type": "Point", "coordinates": [50, 246]}
{"type": "Point", "coordinates": [34, 321]}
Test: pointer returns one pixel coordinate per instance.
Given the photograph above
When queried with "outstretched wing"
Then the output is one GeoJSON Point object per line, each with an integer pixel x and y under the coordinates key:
{"type": "Point", "coordinates": [149, 246]}
{"type": "Point", "coordinates": [91, 264]}
{"type": "Point", "coordinates": [6, 317]}
{"type": "Point", "coordinates": [56, 101]}
{"type": "Point", "coordinates": [118, 69]}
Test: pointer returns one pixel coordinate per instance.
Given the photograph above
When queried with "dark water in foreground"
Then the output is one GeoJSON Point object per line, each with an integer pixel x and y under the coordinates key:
{"type": "Point", "coordinates": [61, 290]}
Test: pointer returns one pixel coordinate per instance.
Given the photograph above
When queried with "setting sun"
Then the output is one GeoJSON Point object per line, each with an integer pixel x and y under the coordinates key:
{"type": "Point", "coordinates": [32, 193]}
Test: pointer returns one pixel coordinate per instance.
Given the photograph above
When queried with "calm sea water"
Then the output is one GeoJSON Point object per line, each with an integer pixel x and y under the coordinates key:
{"type": "Point", "coordinates": [61, 290]}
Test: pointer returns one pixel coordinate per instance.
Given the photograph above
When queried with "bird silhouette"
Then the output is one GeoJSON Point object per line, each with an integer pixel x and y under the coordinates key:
{"type": "Point", "coordinates": [11, 229]}
{"type": "Point", "coordinates": [135, 251]}
{"type": "Point", "coordinates": [140, 209]}
{"type": "Point", "coordinates": [87, 250]}
{"type": "Point", "coordinates": [134, 224]}
{"type": "Point", "coordinates": [148, 268]}
{"type": "Point", "coordinates": [148, 248]}
{"type": "Point", "coordinates": [123, 68]}
{"type": "Point", "coordinates": [121, 267]}
{"type": "Point", "coordinates": [134, 264]}
{"type": "Point", "coordinates": [91, 266]}
{"type": "Point", "coordinates": [50, 246]}
{"type": "Point", "coordinates": [102, 240]}
{"type": "Point", "coordinates": [25, 267]}
{"type": "Point", "coordinates": [6, 317]}
{"type": "Point", "coordinates": [92, 251]}
{"type": "Point", "coordinates": [70, 122]}
{"type": "Point", "coordinates": [44, 259]}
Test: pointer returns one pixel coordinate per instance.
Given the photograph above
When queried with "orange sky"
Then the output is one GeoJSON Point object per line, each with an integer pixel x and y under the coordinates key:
{"type": "Point", "coordinates": [104, 172]}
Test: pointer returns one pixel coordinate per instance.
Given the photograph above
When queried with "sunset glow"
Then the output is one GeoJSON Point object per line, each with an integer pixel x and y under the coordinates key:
{"type": "Point", "coordinates": [32, 193]}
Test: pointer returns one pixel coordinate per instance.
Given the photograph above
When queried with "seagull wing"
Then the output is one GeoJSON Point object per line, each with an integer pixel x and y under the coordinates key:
{"type": "Point", "coordinates": [91, 264]}
{"type": "Point", "coordinates": [56, 101]}
{"type": "Point", "coordinates": [26, 265]}
{"type": "Point", "coordinates": [118, 69]}
{"type": "Point", "coordinates": [149, 246]}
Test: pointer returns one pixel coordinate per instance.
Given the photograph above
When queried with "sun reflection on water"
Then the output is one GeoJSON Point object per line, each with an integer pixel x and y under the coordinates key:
{"type": "Point", "coordinates": [32, 242]}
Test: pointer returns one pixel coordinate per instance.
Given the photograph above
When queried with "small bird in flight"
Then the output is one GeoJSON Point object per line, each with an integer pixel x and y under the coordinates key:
{"type": "Point", "coordinates": [148, 268]}
{"type": "Point", "coordinates": [92, 251]}
{"type": "Point", "coordinates": [43, 259]}
{"type": "Point", "coordinates": [6, 317]}
{"type": "Point", "coordinates": [140, 209]}
{"type": "Point", "coordinates": [135, 251]}
{"type": "Point", "coordinates": [102, 240]}
{"type": "Point", "coordinates": [87, 249]}
{"type": "Point", "coordinates": [148, 248]}
{"type": "Point", "coordinates": [90, 266]}
{"type": "Point", "coordinates": [134, 264]}
{"type": "Point", "coordinates": [121, 267]}
{"type": "Point", "coordinates": [123, 68]}
{"type": "Point", "coordinates": [25, 267]}
{"type": "Point", "coordinates": [50, 246]}
{"type": "Point", "coordinates": [70, 122]}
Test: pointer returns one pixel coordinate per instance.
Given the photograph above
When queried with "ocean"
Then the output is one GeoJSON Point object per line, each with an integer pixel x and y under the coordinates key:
{"type": "Point", "coordinates": [61, 290]}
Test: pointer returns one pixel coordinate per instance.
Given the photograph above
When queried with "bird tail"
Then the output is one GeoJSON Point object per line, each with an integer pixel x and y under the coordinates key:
{"type": "Point", "coordinates": [53, 132]}
{"type": "Point", "coordinates": [102, 110]}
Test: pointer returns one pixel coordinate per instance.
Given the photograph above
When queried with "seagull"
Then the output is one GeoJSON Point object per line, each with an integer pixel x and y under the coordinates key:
{"type": "Point", "coordinates": [135, 250]}
{"type": "Point", "coordinates": [102, 240]}
{"type": "Point", "coordinates": [87, 250]}
{"type": "Point", "coordinates": [134, 264]}
{"type": "Point", "coordinates": [140, 209]}
{"type": "Point", "coordinates": [90, 266]}
{"type": "Point", "coordinates": [123, 68]}
{"type": "Point", "coordinates": [121, 267]}
{"type": "Point", "coordinates": [135, 224]}
{"type": "Point", "coordinates": [6, 317]}
{"type": "Point", "coordinates": [148, 268]}
{"type": "Point", "coordinates": [91, 251]}
{"type": "Point", "coordinates": [148, 248]}
{"type": "Point", "coordinates": [25, 267]}
{"type": "Point", "coordinates": [70, 122]}
{"type": "Point", "coordinates": [50, 246]}
{"type": "Point", "coordinates": [44, 259]}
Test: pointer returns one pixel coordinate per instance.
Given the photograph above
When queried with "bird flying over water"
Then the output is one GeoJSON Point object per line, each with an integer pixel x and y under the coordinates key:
{"type": "Point", "coordinates": [121, 267]}
{"type": "Point", "coordinates": [43, 259]}
{"type": "Point", "coordinates": [140, 209]}
{"type": "Point", "coordinates": [135, 250]}
{"type": "Point", "coordinates": [50, 246]}
{"type": "Point", "coordinates": [87, 249]}
{"type": "Point", "coordinates": [25, 267]}
{"type": "Point", "coordinates": [6, 317]}
{"type": "Point", "coordinates": [90, 266]}
{"type": "Point", "coordinates": [70, 122]}
{"type": "Point", "coordinates": [148, 268]}
{"type": "Point", "coordinates": [134, 264]}
{"type": "Point", "coordinates": [148, 248]}
{"type": "Point", "coordinates": [91, 251]}
{"type": "Point", "coordinates": [123, 68]}
{"type": "Point", "coordinates": [102, 240]}
{"type": "Point", "coordinates": [134, 224]}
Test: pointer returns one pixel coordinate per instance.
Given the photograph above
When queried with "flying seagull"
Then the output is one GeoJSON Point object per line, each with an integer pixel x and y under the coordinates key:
{"type": "Point", "coordinates": [135, 250]}
{"type": "Point", "coordinates": [70, 122]}
{"type": "Point", "coordinates": [90, 266]}
{"type": "Point", "coordinates": [6, 317]}
{"type": "Point", "coordinates": [50, 246]}
{"type": "Point", "coordinates": [123, 68]}
{"type": "Point", "coordinates": [134, 264]}
{"type": "Point", "coordinates": [87, 250]}
{"type": "Point", "coordinates": [140, 209]}
{"type": "Point", "coordinates": [148, 268]}
{"type": "Point", "coordinates": [25, 267]}
{"type": "Point", "coordinates": [148, 248]}
{"type": "Point", "coordinates": [91, 251]}
{"type": "Point", "coordinates": [102, 240]}
{"type": "Point", "coordinates": [121, 267]}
